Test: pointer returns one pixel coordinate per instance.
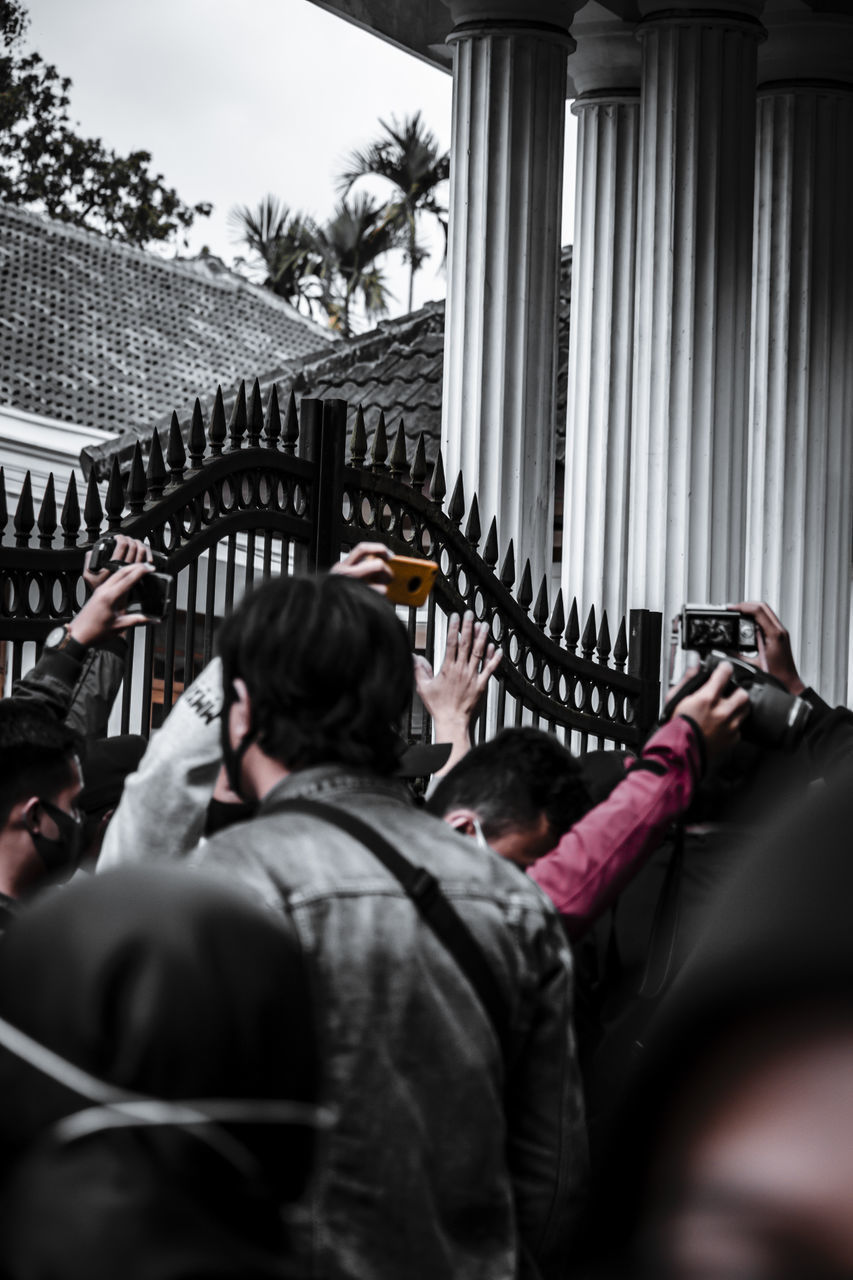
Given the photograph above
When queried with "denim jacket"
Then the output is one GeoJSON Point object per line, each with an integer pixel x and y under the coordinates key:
{"type": "Point", "coordinates": [447, 1160]}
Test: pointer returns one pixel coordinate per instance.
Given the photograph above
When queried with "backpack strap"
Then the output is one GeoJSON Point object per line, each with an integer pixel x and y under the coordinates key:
{"type": "Point", "coordinates": [433, 906]}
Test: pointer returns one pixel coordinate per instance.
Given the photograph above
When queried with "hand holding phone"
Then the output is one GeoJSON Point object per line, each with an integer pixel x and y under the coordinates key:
{"type": "Point", "coordinates": [411, 580]}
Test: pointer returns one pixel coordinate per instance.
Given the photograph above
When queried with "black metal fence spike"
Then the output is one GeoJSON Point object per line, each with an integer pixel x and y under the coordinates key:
{"type": "Point", "coordinates": [473, 532]}
{"type": "Point", "coordinates": [379, 452]}
{"type": "Point", "coordinates": [490, 550]}
{"type": "Point", "coordinates": [589, 634]}
{"type": "Point", "coordinates": [291, 427]}
{"type": "Point", "coordinates": [4, 510]}
{"type": "Point", "coordinates": [24, 514]}
{"type": "Point", "coordinates": [602, 644]}
{"type": "Point", "coordinates": [238, 420]}
{"type": "Point", "coordinates": [525, 588]}
{"type": "Point", "coordinates": [255, 421]}
{"type": "Point", "coordinates": [399, 461]}
{"type": "Point", "coordinates": [438, 485]}
{"type": "Point", "coordinates": [156, 473]}
{"type": "Point", "coordinates": [558, 619]}
{"type": "Point", "coordinates": [456, 506]}
{"type": "Point", "coordinates": [540, 609]}
{"type": "Point", "coordinates": [272, 421]}
{"type": "Point", "coordinates": [418, 473]}
{"type": "Point", "coordinates": [115, 496]}
{"type": "Point", "coordinates": [573, 629]}
{"type": "Point", "coordinates": [620, 649]}
{"type": "Point", "coordinates": [136, 483]}
{"type": "Point", "coordinates": [176, 454]}
{"type": "Point", "coordinates": [196, 441]}
{"type": "Point", "coordinates": [47, 514]}
{"type": "Point", "coordinates": [69, 520]}
{"type": "Point", "coordinates": [218, 431]}
{"type": "Point", "coordinates": [93, 511]}
{"type": "Point", "coordinates": [507, 573]}
{"type": "Point", "coordinates": [358, 444]}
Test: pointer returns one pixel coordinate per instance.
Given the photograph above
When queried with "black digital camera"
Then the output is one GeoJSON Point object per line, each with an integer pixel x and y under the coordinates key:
{"type": "Point", "coordinates": [776, 717]}
{"type": "Point", "coordinates": [152, 594]}
{"type": "Point", "coordinates": [712, 626]}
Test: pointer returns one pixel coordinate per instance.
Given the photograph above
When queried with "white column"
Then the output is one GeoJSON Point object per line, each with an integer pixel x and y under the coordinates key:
{"type": "Point", "coordinates": [692, 312]}
{"type": "Point", "coordinates": [801, 456]}
{"type": "Point", "coordinates": [605, 72]}
{"type": "Point", "coordinates": [509, 89]}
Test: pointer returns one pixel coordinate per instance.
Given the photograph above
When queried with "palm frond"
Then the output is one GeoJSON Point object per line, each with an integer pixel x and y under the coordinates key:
{"type": "Point", "coordinates": [407, 156]}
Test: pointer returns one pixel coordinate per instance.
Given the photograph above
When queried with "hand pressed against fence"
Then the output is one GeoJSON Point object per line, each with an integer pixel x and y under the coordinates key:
{"type": "Point", "coordinates": [453, 695]}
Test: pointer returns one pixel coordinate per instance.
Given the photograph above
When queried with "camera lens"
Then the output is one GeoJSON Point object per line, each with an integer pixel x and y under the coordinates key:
{"type": "Point", "coordinates": [776, 718]}
{"type": "Point", "coordinates": [797, 720]}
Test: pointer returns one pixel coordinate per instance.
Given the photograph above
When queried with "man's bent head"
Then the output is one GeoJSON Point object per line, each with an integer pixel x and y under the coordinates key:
{"type": "Point", "coordinates": [523, 788]}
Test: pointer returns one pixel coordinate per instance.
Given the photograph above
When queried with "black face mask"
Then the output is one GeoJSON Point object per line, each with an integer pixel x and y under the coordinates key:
{"type": "Point", "coordinates": [222, 814]}
{"type": "Point", "coordinates": [61, 857]}
{"type": "Point", "coordinates": [232, 757]}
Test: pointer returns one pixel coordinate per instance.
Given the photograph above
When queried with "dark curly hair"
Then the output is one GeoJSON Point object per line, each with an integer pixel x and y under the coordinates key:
{"type": "Point", "coordinates": [328, 668]}
{"type": "Point", "coordinates": [512, 780]}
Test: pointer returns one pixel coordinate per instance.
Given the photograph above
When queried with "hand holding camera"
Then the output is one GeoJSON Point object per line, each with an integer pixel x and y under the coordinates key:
{"type": "Point", "coordinates": [774, 646]}
{"type": "Point", "coordinates": [715, 705]}
{"type": "Point", "coordinates": [771, 717]}
{"type": "Point", "coordinates": [125, 591]}
{"type": "Point", "coordinates": [148, 591]}
{"type": "Point", "coordinates": [776, 715]}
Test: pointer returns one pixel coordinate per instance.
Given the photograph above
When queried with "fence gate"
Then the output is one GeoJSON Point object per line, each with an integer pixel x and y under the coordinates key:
{"type": "Point", "coordinates": [263, 496]}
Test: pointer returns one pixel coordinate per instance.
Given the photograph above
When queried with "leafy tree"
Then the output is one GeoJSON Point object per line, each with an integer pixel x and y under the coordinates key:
{"type": "Point", "coordinates": [407, 156]}
{"type": "Point", "coordinates": [46, 165]}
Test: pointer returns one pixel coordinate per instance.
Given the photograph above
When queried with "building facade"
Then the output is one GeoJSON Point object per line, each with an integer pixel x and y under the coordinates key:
{"type": "Point", "coordinates": [708, 434]}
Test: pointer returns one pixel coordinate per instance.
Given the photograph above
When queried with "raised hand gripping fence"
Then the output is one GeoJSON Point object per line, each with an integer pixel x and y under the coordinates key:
{"type": "Point", "coordinates": [265, 495]}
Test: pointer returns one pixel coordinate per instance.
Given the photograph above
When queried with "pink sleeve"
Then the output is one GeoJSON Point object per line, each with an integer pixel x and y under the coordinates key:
{"type": "Point", "coordinates": [593, 860]}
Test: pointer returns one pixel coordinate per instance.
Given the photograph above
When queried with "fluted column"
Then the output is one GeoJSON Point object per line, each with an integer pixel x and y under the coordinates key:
{"type": "Point", "coordinates": [801, 457]}
{"type": "Point", "coordinates": [692, 313]}
{"type": "Point", "coordinates": [605, 73]}
{"type": "Point", "coordinates": [509, 89]}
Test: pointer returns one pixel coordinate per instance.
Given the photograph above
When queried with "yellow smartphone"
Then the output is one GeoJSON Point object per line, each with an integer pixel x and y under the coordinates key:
{"type": "Point", "coordinates": [412, 580]}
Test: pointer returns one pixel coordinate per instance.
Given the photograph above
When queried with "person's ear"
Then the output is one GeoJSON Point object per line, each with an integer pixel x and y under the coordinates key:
{"type": "Point", "coordinates": [31, 814]}
{"type": "Point", "coordinates": [462, 820]}
{"type": "Point", "coordinates": [240, 712]}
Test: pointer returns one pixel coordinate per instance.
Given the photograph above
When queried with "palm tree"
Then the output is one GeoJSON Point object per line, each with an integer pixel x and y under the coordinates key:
{"type": "Point", "coordinates": [349, 244]}
{"type": "Point", "coordinates": [284, 244]}
{"type": "Point", "coordinates": [408, 157]}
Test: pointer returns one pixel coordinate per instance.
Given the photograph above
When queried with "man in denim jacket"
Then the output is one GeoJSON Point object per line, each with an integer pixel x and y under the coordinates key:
{"type": "Point", "coordinates": [452, 1155]}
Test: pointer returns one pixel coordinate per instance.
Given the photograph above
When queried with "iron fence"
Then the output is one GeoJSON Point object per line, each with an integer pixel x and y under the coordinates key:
{"type": "Point", "coordinates": [271, 493]}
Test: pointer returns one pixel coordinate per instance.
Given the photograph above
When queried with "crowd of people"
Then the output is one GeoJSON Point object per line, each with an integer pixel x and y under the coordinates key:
{"type": "Point", "coordinates": [265, 1011]}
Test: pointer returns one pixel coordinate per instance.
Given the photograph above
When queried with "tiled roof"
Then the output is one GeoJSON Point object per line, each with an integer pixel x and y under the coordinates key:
{"type": "Point", "coordinates": [105, 335]}
{"type": "Point", "coordinates": [397, 368]}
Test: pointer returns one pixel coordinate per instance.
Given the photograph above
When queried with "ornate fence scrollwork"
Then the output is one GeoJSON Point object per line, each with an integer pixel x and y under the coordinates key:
{"type": "Point", "coordinates": [261, 495]}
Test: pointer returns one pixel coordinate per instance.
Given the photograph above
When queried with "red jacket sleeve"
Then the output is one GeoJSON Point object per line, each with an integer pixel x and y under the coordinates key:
{"type": "Point", "coordinates": [595, 859]}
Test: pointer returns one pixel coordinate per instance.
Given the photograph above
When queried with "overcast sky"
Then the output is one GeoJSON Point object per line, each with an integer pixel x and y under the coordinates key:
{"type": "Point", "coordinates": [237, 98]}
